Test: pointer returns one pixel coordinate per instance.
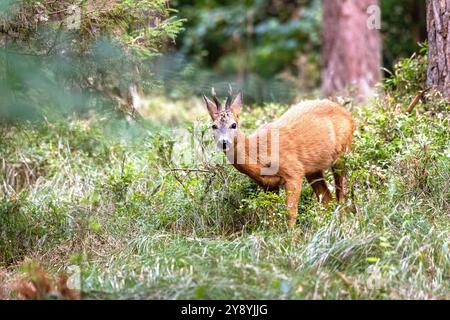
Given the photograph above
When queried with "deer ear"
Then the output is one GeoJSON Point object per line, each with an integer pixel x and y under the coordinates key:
{"type": "Point", "coordinates": [211, 106]}
{"type": "Point", "coordinates": [236, 105]}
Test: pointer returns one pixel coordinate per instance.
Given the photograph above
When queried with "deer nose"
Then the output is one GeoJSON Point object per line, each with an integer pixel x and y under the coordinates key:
{"type": "Point", "coordinates": [224, 144]}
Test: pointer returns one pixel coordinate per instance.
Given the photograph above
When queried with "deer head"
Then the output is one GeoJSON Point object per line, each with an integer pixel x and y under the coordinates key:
{"type": "Point", "coordinates": [225, 120]}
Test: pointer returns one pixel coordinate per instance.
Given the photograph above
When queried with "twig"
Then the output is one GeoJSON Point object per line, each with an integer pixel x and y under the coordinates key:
{"type": "Point", "coordinates": [186, 188]}
{"type": "Point", "coordinates": [346, 280]}
{"type": "Point", "coordinates": [188, 170]}
{"type": "Point", "coordinates": [416, 100]}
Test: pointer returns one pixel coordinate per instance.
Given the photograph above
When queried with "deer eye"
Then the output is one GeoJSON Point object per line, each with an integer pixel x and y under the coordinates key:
{"type": "Point", "coordinates": [214, 127]}
{"type": "Point", "coordinates": [234, 126]}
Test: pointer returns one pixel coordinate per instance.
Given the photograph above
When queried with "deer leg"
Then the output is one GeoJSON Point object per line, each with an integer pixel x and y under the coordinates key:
{"type": "Point", "coordinates": [293, 190]}
{"type": "Point", "coordinates": [340, 180]}
{"type": "Point", "coordinates": [319, 186]}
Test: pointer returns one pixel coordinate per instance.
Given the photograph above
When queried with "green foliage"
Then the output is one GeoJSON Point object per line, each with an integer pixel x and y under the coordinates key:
{"type": "Point", "coordinates": [403, 27]}
{"type": "Point", "coordinates": [269, 35]}
{"type": "Point", "coordinates": [49, 66]}
{"type": "Point", "coordinates": [409, 75]}
{"type": "Point", "coordinates": [268, 209]}
{"type": "Point", "coordinates": [268, 46]}
{"type": "Point", "coordinates": [115, 205]}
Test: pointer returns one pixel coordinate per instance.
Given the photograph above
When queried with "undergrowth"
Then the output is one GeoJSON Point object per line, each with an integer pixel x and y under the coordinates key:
{"type": "Point", "coordinates": [140, 224]}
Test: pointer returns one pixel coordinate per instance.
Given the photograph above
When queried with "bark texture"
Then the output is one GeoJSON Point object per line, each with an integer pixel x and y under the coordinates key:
{"type": "Point", "coordinates": [438, 25]}
{"type": "Point", "coordinates": [351, 48]}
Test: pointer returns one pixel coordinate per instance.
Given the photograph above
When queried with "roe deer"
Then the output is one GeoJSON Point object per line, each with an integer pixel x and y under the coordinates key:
{"type": "Point", "coordinates": [310, 138]}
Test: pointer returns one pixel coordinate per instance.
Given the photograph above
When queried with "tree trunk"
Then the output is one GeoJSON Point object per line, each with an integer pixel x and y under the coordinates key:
{"type": "Point", "coordinates": [351, 48]}
{"type": "Point", "coordinates": [438, 25]}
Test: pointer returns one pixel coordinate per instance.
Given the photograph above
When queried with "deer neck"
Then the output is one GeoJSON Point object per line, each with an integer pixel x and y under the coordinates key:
{"type": "Point", "coordinates": [246, 163]}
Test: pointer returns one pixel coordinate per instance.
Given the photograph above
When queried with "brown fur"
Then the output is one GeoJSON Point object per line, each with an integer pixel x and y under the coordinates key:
{"type": "Point", "coordinates": [312, 135]}
{"type": "Point", "coordinates": [38, 285]}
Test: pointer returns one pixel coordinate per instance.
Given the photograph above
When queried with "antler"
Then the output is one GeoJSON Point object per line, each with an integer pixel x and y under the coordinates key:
{"type": "Point", "coordinates": [216, 101]}
{"type": "Point", "coordinates": [230, 97]}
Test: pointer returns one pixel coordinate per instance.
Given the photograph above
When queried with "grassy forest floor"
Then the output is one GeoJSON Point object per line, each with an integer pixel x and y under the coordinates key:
{"type": "Point", "coordinates": [102, 194]}
{"type": "Point", "coordinates": [98, 194]}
